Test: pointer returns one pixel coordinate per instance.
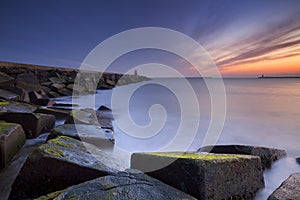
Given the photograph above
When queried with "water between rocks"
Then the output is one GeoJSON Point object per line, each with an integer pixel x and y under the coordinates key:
{"type": "Point", "coordinates": [262, 112]}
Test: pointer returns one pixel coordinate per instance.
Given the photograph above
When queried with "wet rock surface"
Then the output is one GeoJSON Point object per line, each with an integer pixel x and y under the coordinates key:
{"type": "Point", "coordinates": [60, 163]}
{"type": "Point", "coordinates": [267, 155]}
{"type": "Point", "coordinates": [288, 190]}
{"type": "Point", "coordinates": [204, 176]}
{"type": "Point", "coordinates": [12, 138]}
{"type": "Point", "coordinates": [102, 138]}
{"type": "Point", "coordinates": [121, 186]}
{"type": "Point", "coordinates": [91, 117]}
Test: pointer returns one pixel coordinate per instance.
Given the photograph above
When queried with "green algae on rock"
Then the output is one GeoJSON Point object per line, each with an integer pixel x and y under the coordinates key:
{"type": "Point", "coordinates": [267, 155]}
{"type": "Point", "coordinates": [121, 186]}
{"type": "Point", "coordinates": [12, 138]}
{"type": "Point", "coordinates": [33, 123]}
{"type": "Point", "coordinates": [59, 163]}
{"type": "Point", "coordinates": [13, 106]}
{"type": "Point", "coordinates": [203, 175]}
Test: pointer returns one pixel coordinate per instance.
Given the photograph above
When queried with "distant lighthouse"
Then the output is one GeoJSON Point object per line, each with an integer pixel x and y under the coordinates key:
{"type": "Point", "coordinates": [135, 72]}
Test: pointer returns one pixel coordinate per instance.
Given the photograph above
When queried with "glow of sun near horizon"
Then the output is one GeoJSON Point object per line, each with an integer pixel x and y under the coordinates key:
{"type": "Point", "coordinates": [243, 38]}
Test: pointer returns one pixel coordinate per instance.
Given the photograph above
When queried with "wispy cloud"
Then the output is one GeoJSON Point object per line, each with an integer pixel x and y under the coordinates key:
{"type": "Point", "coordinates": [280, 40]}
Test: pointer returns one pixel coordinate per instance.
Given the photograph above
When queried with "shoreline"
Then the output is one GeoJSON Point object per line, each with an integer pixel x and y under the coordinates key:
{"type": "Point", "coordinates": [54, 153]}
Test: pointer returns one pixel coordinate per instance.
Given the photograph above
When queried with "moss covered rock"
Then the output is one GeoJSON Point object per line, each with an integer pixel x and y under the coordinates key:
{"type": "Point", "coordinates": [202, 175]}
{"type": "Point", "coordinates": [90, 117]}
{"type": "Point", "coordinates": [33, 123]}
{"type": "Point", "coordinates": [12, 138]}
{"type": "Point", "coordinates": [60, 163]}
{"type": "Point", "coordinates": [102, 138]}
{"type": "Point", "coordinates": [267, 155]}
{"type": "Point", "coordinates": [289, 189]}
{"type": "Point", "coordinates": [12, 106]}
{"type": "Point", "coordinates": [122, 186]}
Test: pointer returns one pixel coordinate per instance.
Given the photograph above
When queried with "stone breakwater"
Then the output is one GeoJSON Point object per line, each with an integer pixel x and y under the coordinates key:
{"type": "Point", "coordinates": [36, 84]}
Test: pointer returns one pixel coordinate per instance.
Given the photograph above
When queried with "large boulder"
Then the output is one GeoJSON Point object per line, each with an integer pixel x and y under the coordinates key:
{"type": "Point", "coordinates": [202, 175]}
{"type": "Point", "coordinates": [29, 82]}
{"type": "Point", "coordinates": [267, 155]}
{"type": "Point", "coordinates": [33, 123]}
{"type": "Point", "coordinates": [60, 163]}
{"type": "Point", "coordinates": [90, 117]}
{"type": "Point", "coordinates": [122, 186]}
{"type": "Point", "coordinates": [288, 190]}
{"type": "Point", "coordinates": [102, 138]}
{"type": "Point", "coordinates": [12, 106]}
{"type": "Point", "coordinates": [12, 138]}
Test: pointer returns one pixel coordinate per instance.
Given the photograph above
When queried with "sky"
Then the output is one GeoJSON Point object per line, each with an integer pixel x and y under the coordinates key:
{"type": "Point", "coordinates": [243, 38]}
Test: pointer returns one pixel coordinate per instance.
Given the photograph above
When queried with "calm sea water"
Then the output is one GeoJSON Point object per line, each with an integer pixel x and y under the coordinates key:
{"type": "Point", "coordinates": [264, 112]}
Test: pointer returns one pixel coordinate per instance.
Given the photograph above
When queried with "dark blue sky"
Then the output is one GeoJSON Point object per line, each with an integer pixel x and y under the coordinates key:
{"type": "Point", "coordinates": [62, 33]}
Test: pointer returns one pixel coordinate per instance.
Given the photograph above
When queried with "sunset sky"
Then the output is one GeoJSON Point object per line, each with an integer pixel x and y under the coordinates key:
{"type": "Point", "coordinates": [243, 38]}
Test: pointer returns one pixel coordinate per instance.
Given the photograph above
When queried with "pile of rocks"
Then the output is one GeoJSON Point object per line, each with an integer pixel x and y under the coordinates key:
{"type": "Point", "coordinates": [36, 84]}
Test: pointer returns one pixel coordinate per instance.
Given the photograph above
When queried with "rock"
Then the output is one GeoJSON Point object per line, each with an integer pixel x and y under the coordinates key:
{"type": "Point", "coordinates": [40, 99]}
{"type": "Point", "coordinates": [43, 102]}
{"type": "Point", "coordinates": [53, 94]}
{"type": "Point", "coordinates": [60, 163]}
{"type": "Point", "coordinates": [58, 113]}
{"type": "Point", "coordinates": [90, 117]}
{"type": "Point", "coordinates": [46, 84]}
{"type": "Point", "coordinates": [78, 89]}
{"type": "Point", "coordinates": [12, 138]}
{"type": "Point", "coordinates": [70, 86]}
{"type": "Point", "coordinates": [6, 79]}
{"type": "Point", "coordinates": [65, 92]}
{"type": "Point", "coordinates": [57, 86]}
{"type": "Point", "coordinates": [122, 186]}
{"type": "Point", "coordinates": [102, 138]}
{"type": "Point", "coordinates": [267, 155]}
{"type": "Point", "coordinates": [29, 82]}
{"type": "Point", "coordinates": [288, 190]}
{"type": "Point", "coordinates": [5, 94]}
{"type": "Point", "coordinates": [56, 80]}
{"type": "Point", "coordinates": [298, 160]}
{"type": "Point", "coordinates": [84, 116]}
{"type": "Point", "coordinates": [33, 123]}
{"type": "Point", "coordinates": [203, 175]}
{"type": "Point", "coordinates": [19, 91]}
{"type": "Point", "coordinates": [12, 106]}
{"type": "Point", "coordinates": [104, 112]}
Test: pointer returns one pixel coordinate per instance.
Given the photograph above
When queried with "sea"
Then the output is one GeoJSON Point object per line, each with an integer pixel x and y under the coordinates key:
{"type": "Point", "coordinates": [184, 114]}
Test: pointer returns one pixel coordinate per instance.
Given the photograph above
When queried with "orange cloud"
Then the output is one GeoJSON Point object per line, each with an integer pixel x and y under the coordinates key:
{"type": "Point", "coordinates": [283, 66]}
